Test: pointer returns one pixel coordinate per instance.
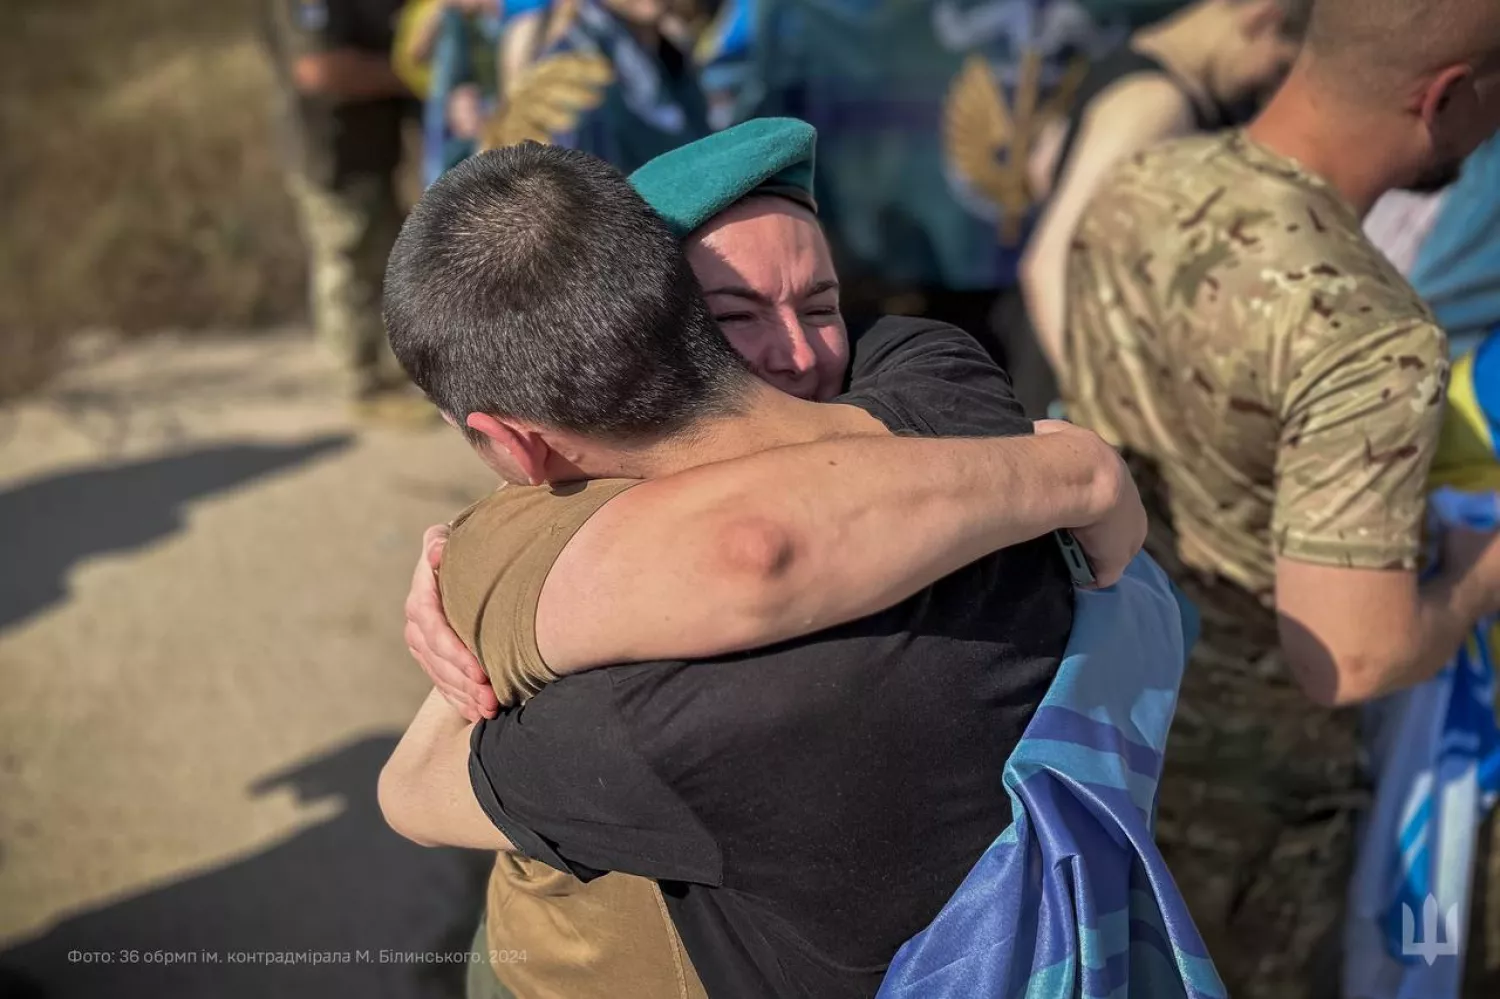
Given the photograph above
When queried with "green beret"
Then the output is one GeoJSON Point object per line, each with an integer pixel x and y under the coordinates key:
{"type": "Point", "coordinates": [693, 183]}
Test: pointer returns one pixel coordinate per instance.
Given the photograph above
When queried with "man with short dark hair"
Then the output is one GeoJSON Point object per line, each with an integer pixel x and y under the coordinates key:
{"type": "Point", "coordinates": [553, 242]}
{"type": "Point", "coordinates": [702, 775]}
{"type": "Point", "coordinates": [1283, 388]}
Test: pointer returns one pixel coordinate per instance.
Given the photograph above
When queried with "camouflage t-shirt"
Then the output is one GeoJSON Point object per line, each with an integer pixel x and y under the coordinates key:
{"type": "Point", "coordinates": [1279, 389]}
{"type": "Point", "coordinates": [1229, 321]}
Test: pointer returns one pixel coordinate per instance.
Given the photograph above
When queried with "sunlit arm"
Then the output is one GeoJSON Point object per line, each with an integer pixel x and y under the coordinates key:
{"type": "Point", "coordinates": [341, 75]}
{"type": "Point", "coordinates": [1352, 635]}
{"type": "Point", "coordinates": [788, 542]}
{"type": "Point", "coordinates": [424, 788]}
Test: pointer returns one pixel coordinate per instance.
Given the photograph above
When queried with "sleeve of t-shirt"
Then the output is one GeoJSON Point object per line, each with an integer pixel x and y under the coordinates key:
{"type": "Point", "coordinates": [931, 379]}
{"type": "Point", "coordinates": [495, 565]}
{"type": "Point", "coordinates": [1358, 434]}
{"type": "Point", "coordinates": [561, 778]}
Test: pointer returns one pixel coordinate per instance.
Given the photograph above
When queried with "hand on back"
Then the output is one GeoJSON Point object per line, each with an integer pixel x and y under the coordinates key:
{"type": "Point", "coordinates": [436, 647]}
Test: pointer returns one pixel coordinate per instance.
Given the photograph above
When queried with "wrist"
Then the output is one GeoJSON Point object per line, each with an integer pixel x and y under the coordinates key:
{"type": "Point", "coordinates": [445, 717]}
{"type": "Point", "coordinates": [1094, 480]}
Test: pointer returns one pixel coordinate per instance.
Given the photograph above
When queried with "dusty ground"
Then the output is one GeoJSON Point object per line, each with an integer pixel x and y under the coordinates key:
{"type": "Point", "coordinates": [202, 562]}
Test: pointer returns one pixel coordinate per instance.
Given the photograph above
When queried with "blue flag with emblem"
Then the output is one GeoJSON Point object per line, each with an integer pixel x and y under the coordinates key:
{"type": "Point", "coordinates": [928, 111]}
{"type": "Point", "coordinates": [1435, 749]}
{"type": "Point", "coordinates": [1074, 899]}
{"type": "Point", "coordinates": [597, 87]}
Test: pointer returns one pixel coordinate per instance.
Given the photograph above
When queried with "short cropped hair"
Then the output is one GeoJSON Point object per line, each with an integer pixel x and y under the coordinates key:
{"type": "Point", "coordinates": [1378, 47]}
{"type": "Point", "coordinates": [532, 282]}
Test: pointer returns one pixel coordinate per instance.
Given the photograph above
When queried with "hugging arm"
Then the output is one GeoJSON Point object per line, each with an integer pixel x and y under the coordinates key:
{"type": "Point", "coordinates": [784, 543]}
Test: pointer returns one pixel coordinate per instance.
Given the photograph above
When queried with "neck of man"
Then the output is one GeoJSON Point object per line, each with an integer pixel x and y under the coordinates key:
{"type": "Point", "coordinates": [1356, 150]}
{"type": "Point", "coordinates": [1187, 44]}
{"type": "Point", "coordinates": [767, 418]}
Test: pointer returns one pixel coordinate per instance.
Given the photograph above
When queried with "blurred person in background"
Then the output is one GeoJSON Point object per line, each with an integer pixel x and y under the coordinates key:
{"type": "Point", "coordinates": [928, 112]}
{"type": "Point", "coordinates": [449, 52]}
{"type": "Point", "coordinates": [343, 110]}
{"type": "Point", "coordinates": [1207, 67]}
{"type": "Point", "coordinates": [1436, 749]}
{"type": "Point", "coordinates": [462, 57]}
{"type": "Point", "coordinates": [723, 53]}
{"type": "Point", "coordinates": [1280, 388]}
{"type": "Point", "coordinates": [419, 27]}
{"type": "Point", "coordinates": [611, 77]}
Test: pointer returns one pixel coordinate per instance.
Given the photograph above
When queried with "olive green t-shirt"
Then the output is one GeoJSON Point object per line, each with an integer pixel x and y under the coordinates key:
{"type": "Point", "coordinates": [550, 935]}
{"type": "Point", "coordinates": [515, 534]}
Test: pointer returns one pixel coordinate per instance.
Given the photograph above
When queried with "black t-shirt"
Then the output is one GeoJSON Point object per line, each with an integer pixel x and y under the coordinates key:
{"type": "Point", "coordinates": [809, 806]}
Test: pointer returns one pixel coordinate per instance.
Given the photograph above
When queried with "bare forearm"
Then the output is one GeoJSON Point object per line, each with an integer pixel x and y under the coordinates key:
{"type": "Point", "coordinates": [343, 75]}
{"type": "Point", "coordinates": [1044, 276]}
{"type": "Point", "coordinates": [792, 541]}
{"type": "Point", "coordinates": [424, 788]}
{"type": "Point", "coordinates": [1447, 610]}
{"type": "Point", "coordinates": [1355, 635]}
{"type": "Point", "coordinates": [866, 535]}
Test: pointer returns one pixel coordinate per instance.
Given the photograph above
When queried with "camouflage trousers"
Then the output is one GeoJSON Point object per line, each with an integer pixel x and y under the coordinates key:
{"type": "Point", "coordinates": [1260, 793]}
{"type": "Point", "coordinates": [349, 231]}
{"type": "Point", "coordinates": [1482, 963]}
{"type": "Point", "coordinates": [1260, 797]}
{"type": "Point", "coordinates": [1259, 801]}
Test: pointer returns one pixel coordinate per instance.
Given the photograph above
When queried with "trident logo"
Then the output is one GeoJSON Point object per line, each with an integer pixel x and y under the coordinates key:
{"type": "Point", "coordinates": [1429, 948]}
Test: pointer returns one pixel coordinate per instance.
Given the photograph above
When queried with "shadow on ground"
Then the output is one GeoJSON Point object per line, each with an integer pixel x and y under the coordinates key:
{"type": "Point", "coordinates": [49, 525]}
{"type": "Point", "coordinates": [348, 885]}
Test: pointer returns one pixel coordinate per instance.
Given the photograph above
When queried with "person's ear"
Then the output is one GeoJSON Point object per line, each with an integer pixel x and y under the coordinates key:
{"type": "Point", "coordinates": [527, 448]}
{"type": "Point", "coordinates": [1443, 95]}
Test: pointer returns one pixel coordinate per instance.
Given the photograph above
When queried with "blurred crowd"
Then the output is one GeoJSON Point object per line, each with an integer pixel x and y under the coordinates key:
{"type": "Point", "coordinates": [940, 124]}
{"type": "Point", "coordinates": [1239, 240]}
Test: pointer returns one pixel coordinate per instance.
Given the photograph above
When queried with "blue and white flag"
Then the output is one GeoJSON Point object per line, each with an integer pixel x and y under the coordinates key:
{"type": "Point", "coordinates": [1436, 752]}
{"type": "Point", "coordinates": [1074, 900]}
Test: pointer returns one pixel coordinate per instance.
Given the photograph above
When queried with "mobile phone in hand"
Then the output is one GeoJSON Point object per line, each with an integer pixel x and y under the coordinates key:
{"type": "Point", "coordinates": [1078, 561]}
